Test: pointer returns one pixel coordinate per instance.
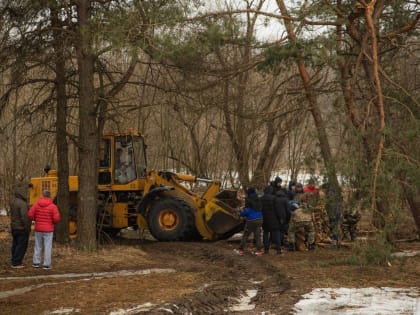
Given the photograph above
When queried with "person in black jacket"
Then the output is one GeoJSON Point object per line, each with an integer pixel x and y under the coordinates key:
{"type": "Point", "coordinates": [275, 218]}
{"type": "Point", "coordinates": [274, 186]}
{"type": "Point", "coordinates": [269, 219]}
{"type": "Point", "coordinates": [283, 212]}
{"type": "Point", "coordinates": [291, 191]}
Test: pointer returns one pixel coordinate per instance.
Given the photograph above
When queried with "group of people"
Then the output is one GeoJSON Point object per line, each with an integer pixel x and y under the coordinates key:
{"type": "Point", "coordinates": [289, 217]}
{"type": "Point", "coordinates": [269, 213]}
{"type": "Point", "coordinates": [45, 214]}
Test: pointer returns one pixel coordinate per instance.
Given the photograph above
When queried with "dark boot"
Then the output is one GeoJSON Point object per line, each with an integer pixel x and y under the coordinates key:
{"type": "Point", "coordinates": [311, 246]}
{"type": "Point", "coordinates": [292, 247]}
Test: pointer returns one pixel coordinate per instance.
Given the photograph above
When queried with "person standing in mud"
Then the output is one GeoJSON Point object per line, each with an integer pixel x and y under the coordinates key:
{"type": "Point", "coordinates": [301, 219]}
{"type": "Point", "coordinates": [283, 213]}
{"type": "Point", "coordinates": [291, 190]}
{"type": "Point", "coordinates": [45, 214]}
{"type": "Point", "coordinates": [275, 185]}
{"type": "Point", "coordinates": [275, 219]}
{"type": "Point", "coordinates": [253, 224]}
{"type": "Point", "coordinates": [20, 224]}
{"type": "Point", "coordinates": [269, 221]}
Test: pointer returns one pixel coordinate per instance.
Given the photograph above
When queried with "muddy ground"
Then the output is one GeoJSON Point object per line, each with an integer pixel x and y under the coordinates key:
{"type": "Point", "coordinates": [185, 278]}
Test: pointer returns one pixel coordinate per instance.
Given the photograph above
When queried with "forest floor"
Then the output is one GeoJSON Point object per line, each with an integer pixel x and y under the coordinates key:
{"type": "Point", "coordinates": [147, 277]}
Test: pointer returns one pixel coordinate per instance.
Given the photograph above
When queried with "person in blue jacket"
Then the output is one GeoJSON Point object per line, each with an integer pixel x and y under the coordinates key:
{"type": "Point", "coordinates": [253, 215]}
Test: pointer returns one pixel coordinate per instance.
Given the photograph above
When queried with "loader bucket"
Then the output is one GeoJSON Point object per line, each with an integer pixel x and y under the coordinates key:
{"type": "Point", "coordinates": [229, 197]}
{"type": "Point", "coordinates": [221, 219]}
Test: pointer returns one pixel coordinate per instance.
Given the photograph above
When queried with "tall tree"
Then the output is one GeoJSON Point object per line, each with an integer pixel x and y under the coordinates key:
{"type": "Point", "coordinates": [60, 51]}
{"type": "Point", "coordinates": [88, 137]}
{"type": "Point", "coordinates": [311, 96]}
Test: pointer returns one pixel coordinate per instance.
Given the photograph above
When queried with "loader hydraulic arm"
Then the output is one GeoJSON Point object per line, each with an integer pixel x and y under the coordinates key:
{"type": "Point", "coordinates": [212, 189]}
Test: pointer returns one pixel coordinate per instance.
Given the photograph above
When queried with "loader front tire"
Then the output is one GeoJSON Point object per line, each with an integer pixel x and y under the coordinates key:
{"type": "Point", "coordinates": [171, 219]}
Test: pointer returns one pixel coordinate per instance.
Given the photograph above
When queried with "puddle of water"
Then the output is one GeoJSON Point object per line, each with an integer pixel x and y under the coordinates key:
{"type": "Point", "coordinates": [360, 301]}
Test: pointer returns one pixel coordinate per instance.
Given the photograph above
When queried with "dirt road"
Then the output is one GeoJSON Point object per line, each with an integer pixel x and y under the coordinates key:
{"type": "Point", "coordinates": [146, 277]}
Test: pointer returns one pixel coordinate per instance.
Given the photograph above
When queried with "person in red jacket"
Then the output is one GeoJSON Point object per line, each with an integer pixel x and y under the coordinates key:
{"type": "Point", "coordinates": [45, 214]}
{"type": "Point", "coordinates": [310, 187]}
{"type": "Point", "coordinates": [312, 192]}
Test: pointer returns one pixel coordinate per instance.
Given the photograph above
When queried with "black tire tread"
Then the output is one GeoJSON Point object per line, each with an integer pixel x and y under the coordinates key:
{"type": "Point", "coordinates": [187, 233]}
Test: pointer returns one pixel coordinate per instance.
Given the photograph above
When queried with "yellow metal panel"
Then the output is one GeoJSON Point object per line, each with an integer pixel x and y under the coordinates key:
{"type": "Point", "coordinates": [133, 185]}
{"type": "Point", "coordinates": [49, 182]}
{"type": "Point", "coordinates": [39, 184]}
{"type": "Point", "coordinates": [200, 224]}
{"type": "Point", "coordinates": [119, 215]}
{"type": "Point", "coordinates": [73, 229]}
{"type": "Point", "coordinates": [73, 183]}
{"type": "Point", "coordinates": [141, 222]}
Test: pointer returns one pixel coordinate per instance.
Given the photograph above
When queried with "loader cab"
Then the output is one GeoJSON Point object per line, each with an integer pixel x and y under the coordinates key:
{"type": "Point", "coordinates": [129, 158]}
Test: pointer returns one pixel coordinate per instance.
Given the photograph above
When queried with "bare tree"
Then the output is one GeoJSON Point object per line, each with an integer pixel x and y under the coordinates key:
{"type": "Point", "coordinates": [311, 96]}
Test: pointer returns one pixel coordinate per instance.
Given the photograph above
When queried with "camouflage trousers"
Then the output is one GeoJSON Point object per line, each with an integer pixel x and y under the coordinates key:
{"type": "Point", "coordinates": [307, 227]}
{"type": "Point", "coordinates": [321, 224]}
{"type": "Point", "coordinates": [349, 231]}
{"type": "Point", "coordinates": [349, 226]}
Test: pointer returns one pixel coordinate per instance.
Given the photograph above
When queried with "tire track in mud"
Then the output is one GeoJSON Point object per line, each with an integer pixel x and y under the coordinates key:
{"type": "Point", "coordinates": [229, 276]}
{"type": "Point", "coordinates": [79, 276]}
{"type": "Point", "coordinates": [226, 278]}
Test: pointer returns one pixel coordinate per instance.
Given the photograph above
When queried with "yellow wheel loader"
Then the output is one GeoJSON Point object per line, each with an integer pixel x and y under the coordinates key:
{"type": "Point", "coordinates": [130, 195]}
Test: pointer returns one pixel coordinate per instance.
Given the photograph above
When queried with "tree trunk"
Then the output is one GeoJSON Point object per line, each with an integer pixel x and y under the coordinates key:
{"type": "Point", "coordinates": [235, 138]}
{"type": "Point", "coordinates": [62, 231]}
{"type": "Point", "coordinates": [88, 168]}
{"type": "Point", "coordinates": [414, 204]}
{"type": "Point", "coordinates": [380, 103]}
{"type": "Point", "coordinates": [314, 109]}
{"type": "Point", "coordinates": [268, 156]}
{"type": "Point", "coordinates": [368, 61]}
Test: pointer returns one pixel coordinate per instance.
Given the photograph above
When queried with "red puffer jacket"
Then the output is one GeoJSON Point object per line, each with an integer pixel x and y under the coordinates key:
{"type": "Point", "coordinates": [45, 214]}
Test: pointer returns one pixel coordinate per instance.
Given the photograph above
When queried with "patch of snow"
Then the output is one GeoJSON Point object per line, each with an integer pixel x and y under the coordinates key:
{"type": "Point", "coordinates": [406, 253]}
{"type": "Point", "coordinates": [360, 301]}
{"type": "Point", "coordinates": [134, 310]}
{"type": "Point", "coordinates": [203, 287]}
{"type": "Point", "coordinates": [236, 236]}
{"type": "Point", "coordinates": [244, 302]}
{"type": "Point", "coordinates": [65, 310]}
{"type": "Point", "coordinates": [168, 310]}
{"type": "Point", "coordinates": [120, 273]}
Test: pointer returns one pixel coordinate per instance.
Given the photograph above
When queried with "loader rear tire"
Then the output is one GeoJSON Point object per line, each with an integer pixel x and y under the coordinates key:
{"type": "Point", "coordinates": [171, 219]}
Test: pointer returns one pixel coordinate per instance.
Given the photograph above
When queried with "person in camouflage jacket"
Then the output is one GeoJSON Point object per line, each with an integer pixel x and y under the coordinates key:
{"type": "Point", "coordinates": [301, 220]}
